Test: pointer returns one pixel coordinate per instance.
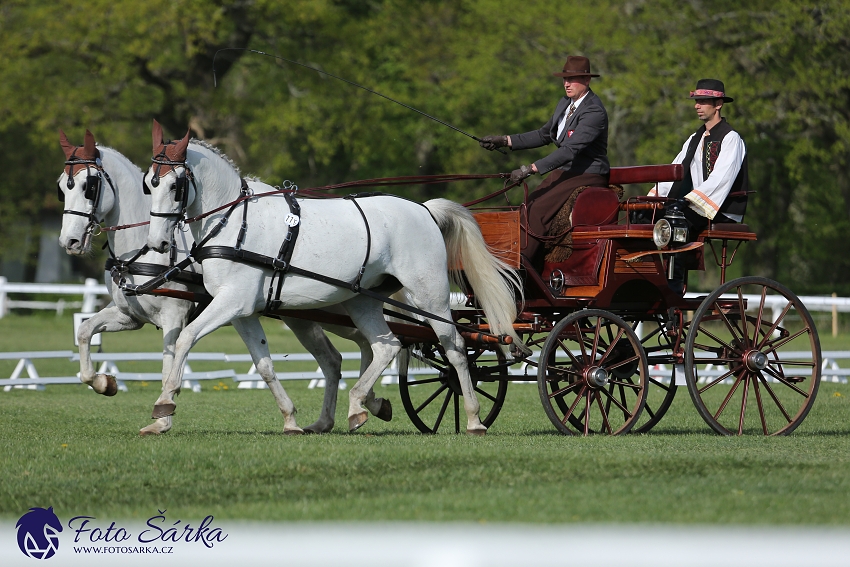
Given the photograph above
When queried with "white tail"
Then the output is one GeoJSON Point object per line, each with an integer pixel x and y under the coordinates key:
{"type": "Point", "coordinates": [492, 280]}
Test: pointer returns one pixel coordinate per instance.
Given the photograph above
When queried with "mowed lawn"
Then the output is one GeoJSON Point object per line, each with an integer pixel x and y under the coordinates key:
{"type": "Point", "coordinates": [69, 448]}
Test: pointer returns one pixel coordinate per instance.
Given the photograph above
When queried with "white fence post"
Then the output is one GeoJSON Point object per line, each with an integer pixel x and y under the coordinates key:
{"type": "Point", "coordinates": [90, 297]}
{"type": "Point", "coordinates": [2, 296]}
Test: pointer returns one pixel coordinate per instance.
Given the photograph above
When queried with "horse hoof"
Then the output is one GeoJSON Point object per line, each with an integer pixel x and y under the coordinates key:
{"type": "Point", "coordinates": [317, 429]}
{"type": "Point", "coordinates": [145, 432]}
{"type": "Point", "coordinates": [476, 432]}
{"type": "Point", "coordinates": [356, 421]}
{"type": "Point", "coordinates": [111, 386]}
{"type": "Point", "coordinates": [163, 410]}
{"type": "Point", "coordinates": [386, 411]}
{"type": "Point", "coordinates": [293, 431]}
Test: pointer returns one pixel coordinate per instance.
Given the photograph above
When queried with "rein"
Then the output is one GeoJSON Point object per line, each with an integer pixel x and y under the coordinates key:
{"type": "Point", "coordinates": [289, 188]}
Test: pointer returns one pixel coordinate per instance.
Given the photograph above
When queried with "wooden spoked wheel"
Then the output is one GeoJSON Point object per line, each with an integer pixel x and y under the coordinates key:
{"type": "Point", "coordinates": [431, 394]}
{"type": "Point", "coordinates": [757, 373]}
{"type": "Point", "coordinates": [658, 346]}
{"type": "Point", "coordinates": [592, 374]}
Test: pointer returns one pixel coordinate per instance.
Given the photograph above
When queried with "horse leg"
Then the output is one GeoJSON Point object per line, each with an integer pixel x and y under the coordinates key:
{"type": "Point", "coordinates": [171, 323]}
{"type": "Point", "coordinates": [455, 350]}
{"type": "Point", "coordinates": [368, 316]}
{"type": "Point", "coordinates": [435, 299]}
{"type": "Point", "coordinates": [254, 337]}
{"type": "Point", "coordinates": [379, 407]}
{"type": "Point", "coordinates": [108, 320]}
{"type": "Point", "coordinates": [222, 310]}
{"type": "Point", "coordinates": [310, 334]}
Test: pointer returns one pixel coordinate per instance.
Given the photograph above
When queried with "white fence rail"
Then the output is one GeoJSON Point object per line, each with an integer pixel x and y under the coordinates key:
{"type": "Point", "coordinates": [89, 293]}
{"type": "Point", "coordinates": [26, 365]}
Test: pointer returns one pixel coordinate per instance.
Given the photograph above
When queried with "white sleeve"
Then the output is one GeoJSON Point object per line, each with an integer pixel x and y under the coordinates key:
{"type": "Point", "coordinates": [662, 189]}
{"type": "Point", "coordinates": [708, 196]}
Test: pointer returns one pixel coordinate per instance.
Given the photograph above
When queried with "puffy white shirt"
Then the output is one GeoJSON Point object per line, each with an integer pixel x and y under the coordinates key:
{"type": "Point", "coordinates": [707, 196]}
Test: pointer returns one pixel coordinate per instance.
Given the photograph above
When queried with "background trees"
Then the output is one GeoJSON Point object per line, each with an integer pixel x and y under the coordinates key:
{"type": "Point", "coordinates": [482, 65]}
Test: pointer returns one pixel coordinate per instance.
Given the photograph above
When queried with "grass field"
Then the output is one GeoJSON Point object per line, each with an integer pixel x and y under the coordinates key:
{"type": "Point", "coordinates": [69, 448]}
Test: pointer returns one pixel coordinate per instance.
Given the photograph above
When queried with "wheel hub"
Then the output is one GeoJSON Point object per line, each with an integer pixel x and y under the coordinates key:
{"type": "Point", "coordinates": [755, 360]}
{"type": "Point", "coordinates": [596, 377]}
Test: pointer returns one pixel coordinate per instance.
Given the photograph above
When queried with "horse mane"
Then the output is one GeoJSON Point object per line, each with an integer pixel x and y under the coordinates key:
{"type": "Point", "coordinates": [102, 147]}
{"type": "Point", "coordinates": [216, 151]}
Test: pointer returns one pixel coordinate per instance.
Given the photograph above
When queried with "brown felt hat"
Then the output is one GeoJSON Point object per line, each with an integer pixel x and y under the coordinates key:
{"type": "Point", "coordinates": [576, 66]}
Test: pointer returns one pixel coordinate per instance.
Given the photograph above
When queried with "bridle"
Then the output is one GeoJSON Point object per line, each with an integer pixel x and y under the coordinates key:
{"type": "Point", "coordinates": [181, 184]}
{"type": "Point", "coordinates": [92, 190]}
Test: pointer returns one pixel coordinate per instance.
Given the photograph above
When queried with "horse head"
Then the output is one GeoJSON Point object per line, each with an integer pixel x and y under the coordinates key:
{"type": "Point", "coordinates": [169, 183]}
{"type": "Point", "coordinates": [80, 187]}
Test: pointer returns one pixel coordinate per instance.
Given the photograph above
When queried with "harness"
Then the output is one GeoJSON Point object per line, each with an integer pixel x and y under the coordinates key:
{"type": "Point", "coordinates": [279, 264]}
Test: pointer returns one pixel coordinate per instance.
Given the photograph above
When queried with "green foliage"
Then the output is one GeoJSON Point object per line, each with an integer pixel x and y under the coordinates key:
{"type": "Point", "coordinates": [484, 66]}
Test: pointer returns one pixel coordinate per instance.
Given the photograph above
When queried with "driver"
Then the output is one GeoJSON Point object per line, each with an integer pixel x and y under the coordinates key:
{"type": "Point", "coordinates": [579, 130]}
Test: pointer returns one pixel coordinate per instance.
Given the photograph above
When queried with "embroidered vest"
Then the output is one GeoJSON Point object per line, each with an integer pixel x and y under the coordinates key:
{"type": "Point", "coordinates": [734, 204]}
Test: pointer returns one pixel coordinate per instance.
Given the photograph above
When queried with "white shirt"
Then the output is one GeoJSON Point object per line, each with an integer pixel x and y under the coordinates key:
{"type": "Point", "coordinates": [707, 196]}
{"type": "Point", "coordinates": [563, 122]}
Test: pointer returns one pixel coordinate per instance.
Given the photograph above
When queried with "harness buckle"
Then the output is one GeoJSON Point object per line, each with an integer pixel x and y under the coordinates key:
{"type": "Point", "coordinates": [278, 264]}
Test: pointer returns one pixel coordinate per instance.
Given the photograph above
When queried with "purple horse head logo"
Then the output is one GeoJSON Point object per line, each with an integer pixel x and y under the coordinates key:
{"type": "Point", "coordinates": [38, 533]}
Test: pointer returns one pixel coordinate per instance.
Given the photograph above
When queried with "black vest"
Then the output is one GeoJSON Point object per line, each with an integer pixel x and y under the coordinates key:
{"type": "Point", "coordinates": [734, 204]}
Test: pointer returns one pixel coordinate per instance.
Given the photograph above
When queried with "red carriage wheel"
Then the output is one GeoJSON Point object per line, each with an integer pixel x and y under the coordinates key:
{"type": "Point", "coordinates": [753, 359]}
{"type": "Point", "coordinates": [592, 374]}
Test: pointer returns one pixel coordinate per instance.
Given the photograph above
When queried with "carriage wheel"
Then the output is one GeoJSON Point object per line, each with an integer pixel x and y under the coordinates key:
{"type": "Point", "coordinates": [433, 398]}
{"type": "Point", "coordinates": [752, 374]}
{"type": "Point", "coordinates": [659, 395]}
{"type": "Point", "coordinates": [587, 378]}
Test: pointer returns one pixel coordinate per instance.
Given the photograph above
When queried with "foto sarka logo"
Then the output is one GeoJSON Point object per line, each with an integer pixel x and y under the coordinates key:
{"type": "Point", "coordinates": [38, 533]}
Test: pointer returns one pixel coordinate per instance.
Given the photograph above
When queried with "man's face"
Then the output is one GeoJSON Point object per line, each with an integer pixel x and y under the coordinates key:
{"type": "Point", "coordinates": [707, 108]}
{"type": "Point", "coordinates": [575, 87]}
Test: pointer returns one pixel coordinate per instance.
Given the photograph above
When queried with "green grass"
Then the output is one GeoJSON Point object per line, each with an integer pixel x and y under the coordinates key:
{"type": "Point", "coordinates": [71, 449]}
{"type": "Point", "coordinates": [79, 452]}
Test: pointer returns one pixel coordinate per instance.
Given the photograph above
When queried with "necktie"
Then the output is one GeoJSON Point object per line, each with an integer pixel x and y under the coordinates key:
{"type": "Point", "coordinates": [563, 123]}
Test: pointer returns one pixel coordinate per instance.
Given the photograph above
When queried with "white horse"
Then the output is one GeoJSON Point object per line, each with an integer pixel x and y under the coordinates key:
{"type": "Point", "coordinates": [120, 201]}
{"type": "Point", "coordinates": [405, 245]}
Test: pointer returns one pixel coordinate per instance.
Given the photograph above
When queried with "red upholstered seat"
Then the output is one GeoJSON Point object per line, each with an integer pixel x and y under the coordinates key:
{"type": "Point", "coordinates": [595, 206]}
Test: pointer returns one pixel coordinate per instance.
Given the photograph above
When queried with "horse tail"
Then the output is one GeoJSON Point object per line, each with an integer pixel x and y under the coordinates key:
{"type": "Point", "coordinates": [492, 280]}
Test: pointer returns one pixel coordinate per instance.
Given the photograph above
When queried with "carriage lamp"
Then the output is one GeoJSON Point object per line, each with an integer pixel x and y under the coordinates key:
{"type": "Point", "coordinates": [678, 223]}
{"type": "Point", "coordinates": [662, 232]}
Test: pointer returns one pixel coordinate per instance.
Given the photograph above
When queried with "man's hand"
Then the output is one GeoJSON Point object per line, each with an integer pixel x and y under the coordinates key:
{"type": "Point", "coordinates": [524, 171]}
{"type": "Point", "coordinates": [490, 143]}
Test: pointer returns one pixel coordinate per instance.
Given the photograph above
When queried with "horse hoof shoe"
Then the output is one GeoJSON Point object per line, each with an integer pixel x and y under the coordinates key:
{"type": "Point", "coordinates": [476, 432]}
{"type": "Point", "coordinates": [386, 411]}
{"type": "Point", "coordinates": [111, 386]}
{"type": "Point", "coordinates": [356, 421]}
{"type": "Point", "coordinates": [293, 432]}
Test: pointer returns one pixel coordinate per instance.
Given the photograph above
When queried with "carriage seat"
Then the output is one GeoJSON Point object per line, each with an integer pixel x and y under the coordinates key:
{"type": "Point", "coordinates": [595, 206]}
{"type": "Point", "coordinates": [727, 231]}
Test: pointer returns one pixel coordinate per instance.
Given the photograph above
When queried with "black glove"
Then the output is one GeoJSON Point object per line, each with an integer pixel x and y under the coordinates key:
{"type": "Point", "coordinates": [518, 175]}
{"type": "Point", "coordinates": [492, 142]}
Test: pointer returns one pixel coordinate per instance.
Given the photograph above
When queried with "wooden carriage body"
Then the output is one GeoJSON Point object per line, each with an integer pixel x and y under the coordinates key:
{"type": "Point", "coordinates": [614, 264]}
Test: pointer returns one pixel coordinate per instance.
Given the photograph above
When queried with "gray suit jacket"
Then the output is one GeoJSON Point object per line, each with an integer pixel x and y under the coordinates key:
{"type": "Point", "coordinates": [585, 151]}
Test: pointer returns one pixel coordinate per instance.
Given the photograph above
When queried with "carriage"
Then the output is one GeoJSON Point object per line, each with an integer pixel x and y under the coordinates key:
{"type": "Point", "coordinates": [603, 334]}
{"type": "Point", "coordinates": [613, 341]}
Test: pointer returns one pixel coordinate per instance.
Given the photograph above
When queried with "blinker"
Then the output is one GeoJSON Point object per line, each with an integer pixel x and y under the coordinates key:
{"type": "Point", "coordinates": [180, 186]}
{"type": "Point", "coordinates": [92, 187]}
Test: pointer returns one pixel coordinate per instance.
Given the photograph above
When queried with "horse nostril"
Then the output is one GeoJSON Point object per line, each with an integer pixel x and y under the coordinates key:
{"type": "Point", "coordinates": [73, 243]}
